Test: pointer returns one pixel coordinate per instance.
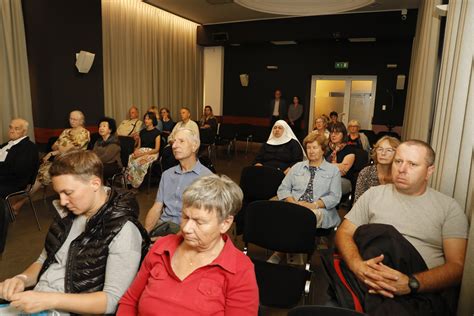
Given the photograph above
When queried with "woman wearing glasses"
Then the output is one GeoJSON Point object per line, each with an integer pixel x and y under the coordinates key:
{"type": "Point", "coordinates": [381, 171]}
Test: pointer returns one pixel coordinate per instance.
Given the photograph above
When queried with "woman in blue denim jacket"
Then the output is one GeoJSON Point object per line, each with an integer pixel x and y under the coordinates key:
{"type": "Point", "coordinates": [314, 183]}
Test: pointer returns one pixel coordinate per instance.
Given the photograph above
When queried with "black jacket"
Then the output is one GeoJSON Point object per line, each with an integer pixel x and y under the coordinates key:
{"type": "Point", "coordinates": [19, 167]}
{"type": "Point", "coordinates": [88, 253]}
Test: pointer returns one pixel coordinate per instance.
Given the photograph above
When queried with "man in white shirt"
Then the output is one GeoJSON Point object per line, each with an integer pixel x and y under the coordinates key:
{"type": "Point", "coordinates": [18, 164]}
{"type": "Point", "coordinates": [132, 126]}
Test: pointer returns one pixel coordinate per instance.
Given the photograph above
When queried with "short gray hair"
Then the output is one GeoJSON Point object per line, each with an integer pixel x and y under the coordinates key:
{"type": "Point", "coordinates": [214, 193]}
{"type": "Point", "coordinates": [191, 135]}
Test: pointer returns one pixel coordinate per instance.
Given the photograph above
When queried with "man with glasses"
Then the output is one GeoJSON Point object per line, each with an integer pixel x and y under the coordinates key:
{"type": "Point", "coordinates": [18, 164]}
{"type": "Point", "coordinates": [406, 242]}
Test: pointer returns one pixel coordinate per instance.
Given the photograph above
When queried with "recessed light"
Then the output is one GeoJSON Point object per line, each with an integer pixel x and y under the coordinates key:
{"type": "Point", "coordinates": [283, 42]}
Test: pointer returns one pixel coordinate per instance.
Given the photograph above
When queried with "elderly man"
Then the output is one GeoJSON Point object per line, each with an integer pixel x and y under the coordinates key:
{"type": "Point", "coordinates": [185, 122]}
{"type": "Point", "coordinates": [406, 242]}
{"type": "Point", "coordinates": [168, 203]}
{"type": "Point", "coordinates": [132, 126]}
{"type": "Point", "coordinates": [18, 164]}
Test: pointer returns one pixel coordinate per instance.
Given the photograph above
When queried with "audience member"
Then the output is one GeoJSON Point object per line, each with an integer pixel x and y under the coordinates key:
{"type": "Point", "coordinates": [167, 122]}
{"type": "Point", "coordinates": [282, 149]}
{"type": "Point", "coordinates": [320, 127]}
{"type": "Point", "coordinates": [341, 155]}
{"type": "Point", "coordinates": [405, 242]}
{"type": "Point", "coordinates": [18, 165]}
{"type": "Point", "coordinates": [154, 109]}
{"type": "Point", "coordinates": [132, 125]}
{"type": "Point", "coordinates": [334, 118]}
{"type": "Point", "coordinates": [199, 271]}
{"type": "Point", "coordinates": [381, 171]}
{"type": "Point", "coordinates": [76, 137]}
{"type": "Point", "coordinates": [278, 108]}
{"type": "Point", "coordinates": [147, 151]}
{"type": "Point", "coordinates": [208, 121]}
{"type": "Point", "coordinates": [168, 203]}
{"type": "Point", "coordinates": [93, 249]}
{"type": "Point", "coordinates": [295, 115]}
{"type": "Point", "coordinates": [355, 138]}
{"type": "Point", "coordinates": [107, 147]}
{"type": "Point", "coordinates": [185, 122]}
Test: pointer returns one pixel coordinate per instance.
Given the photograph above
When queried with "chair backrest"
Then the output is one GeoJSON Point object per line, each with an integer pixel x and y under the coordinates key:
{"type": "Point", "coordinates": [260, 183]}
{"type": "Point", "coordinates": [361, 159]}
{"type": "Point", "coordinates": [227, 131]}
{"type": "Point", "coordinates": [387, 133]}
{"type": "Point", "coordinates": [206, 162]}
{"type": "Point", "coordinates": [371, 136]}
{"type": "Point", "coordinates": [314, 310]}
{"type": "Point", "coordinates": [94, 138]}
{"type": "Point", "coordinates": [207, 136]}
{"type": "Point", "coordinates": [127, 146]}
{"type": "Point", "coordinates": [280, 226]}
{"type": "Point", "coordinates": [51, 141]}
{"type": "Point", "coordinates": [244, 131]}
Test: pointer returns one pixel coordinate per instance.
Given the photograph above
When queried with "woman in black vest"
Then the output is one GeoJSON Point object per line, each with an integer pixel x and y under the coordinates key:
{"type": "Point", "coordinates": [93, 248]}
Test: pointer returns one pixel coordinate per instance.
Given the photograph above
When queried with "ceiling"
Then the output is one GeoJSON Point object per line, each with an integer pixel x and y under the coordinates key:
{"type": "Point", "coordinates": [226, 11]}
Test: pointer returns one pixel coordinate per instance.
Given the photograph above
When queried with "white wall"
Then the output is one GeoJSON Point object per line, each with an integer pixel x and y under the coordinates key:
{"type": "Point", "coordinates": [213, 78]}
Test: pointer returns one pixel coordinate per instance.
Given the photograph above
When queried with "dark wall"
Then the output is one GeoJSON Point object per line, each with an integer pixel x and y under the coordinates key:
{"type": "Point", "coordinates": [321, 41]}
{"type": "Point", "coordinates": [297, 63]}
{"type": "Point", "coordinates": [55, 31]}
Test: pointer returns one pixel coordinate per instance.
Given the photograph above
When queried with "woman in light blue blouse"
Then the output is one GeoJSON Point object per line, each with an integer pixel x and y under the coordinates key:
{"type": "Point", "coordinates": [314, 183]}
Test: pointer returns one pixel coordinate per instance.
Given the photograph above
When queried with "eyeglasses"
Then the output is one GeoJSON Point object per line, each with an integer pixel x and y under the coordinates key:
{"type": "Point", "coordinates": [387, 150]}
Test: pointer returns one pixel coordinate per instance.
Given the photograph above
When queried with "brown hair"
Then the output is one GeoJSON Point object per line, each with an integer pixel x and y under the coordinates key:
{"type": "Point", "coordinates": [80, 163]}
{"type": "Point", "coordinates": [430, 154]}
{"type": "Point", "coordinates": [315, 137]}
{"type": "Point", "coordinates": [394, 142]}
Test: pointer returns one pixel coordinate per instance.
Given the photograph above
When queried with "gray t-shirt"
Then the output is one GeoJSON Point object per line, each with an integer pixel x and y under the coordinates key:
{"type": "Point", "coordinates": [424, 220]}
{"type": "Point", "coordinates": [122, 263]}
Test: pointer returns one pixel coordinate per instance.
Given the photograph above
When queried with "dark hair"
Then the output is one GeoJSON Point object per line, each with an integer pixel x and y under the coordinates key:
{"type": "Point", "coordinates": [80, 163]}
{"type": "Point", "coordinates": [339, 127]}
{"type": "Point", "coordinates": [297, 98]}
{"type": "Point", "coordinates": [167, 111]}
{"type": "Point", "coordinates": [152, 117]}
{"type": "Point", "coordinates": [333, 113]}
{"type": "Point", "coordinates": [210, 108]}
{"type": "Point", "coordinates": [111, 122]}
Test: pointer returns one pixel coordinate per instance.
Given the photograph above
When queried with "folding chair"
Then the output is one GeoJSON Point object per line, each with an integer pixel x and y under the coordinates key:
{"type": "Point", "coordinates": [127, 146]}
{"type": "Point", "coordinates": [284, 227]}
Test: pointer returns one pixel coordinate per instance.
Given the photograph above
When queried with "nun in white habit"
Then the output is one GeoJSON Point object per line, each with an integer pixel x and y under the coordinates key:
{"type": "Point", "coordinates": [282, 149]}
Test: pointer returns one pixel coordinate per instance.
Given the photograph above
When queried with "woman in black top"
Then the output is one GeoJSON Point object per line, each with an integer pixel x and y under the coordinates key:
{"type": "Point", "coordinates": [168, 124]}
{"type": "Point", "coordinates": [282, 149]}
{"type": "Point", "coordinates": [340, 154]}
{"type": "Point", "coordinates": [147, 151]}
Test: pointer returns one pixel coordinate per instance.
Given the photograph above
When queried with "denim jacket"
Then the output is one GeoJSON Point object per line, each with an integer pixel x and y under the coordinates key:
{"type": "Point", "coordinates": [326, 186]}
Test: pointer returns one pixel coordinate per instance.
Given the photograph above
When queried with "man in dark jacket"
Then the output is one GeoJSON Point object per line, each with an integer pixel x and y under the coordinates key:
{"type": "Point", "coordinates": [18, 164]}
{"type": "Point", "coordinates": [278, 108]}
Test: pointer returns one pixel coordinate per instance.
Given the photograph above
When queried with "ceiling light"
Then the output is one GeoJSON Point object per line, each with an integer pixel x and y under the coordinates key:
{"type": "Point", "coordinates": [303, 7]}
{"type": "Point", "coordinates": [283, 42]}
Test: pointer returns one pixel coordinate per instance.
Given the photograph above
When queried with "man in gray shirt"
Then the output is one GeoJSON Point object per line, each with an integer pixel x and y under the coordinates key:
{"type": "Point", "coordinates": [168, 203]}
{"type": "Point", "coordinates": [431, 221]}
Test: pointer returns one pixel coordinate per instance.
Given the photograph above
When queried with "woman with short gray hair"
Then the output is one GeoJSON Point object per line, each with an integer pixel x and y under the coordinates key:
{"type": "Point", "coordinates": [198, 271]}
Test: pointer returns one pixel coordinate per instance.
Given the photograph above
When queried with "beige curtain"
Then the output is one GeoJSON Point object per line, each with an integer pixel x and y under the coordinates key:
{"type": "Point", "coordinates": [423, 74]}
{"type": "Point", "coordinates": [15, 97]}
{"type": "Point", "coordinates": [150, 58]}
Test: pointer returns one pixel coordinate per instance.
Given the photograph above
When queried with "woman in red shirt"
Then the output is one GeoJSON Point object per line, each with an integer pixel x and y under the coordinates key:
{"type": "Point", "coordinates": [199, 271]}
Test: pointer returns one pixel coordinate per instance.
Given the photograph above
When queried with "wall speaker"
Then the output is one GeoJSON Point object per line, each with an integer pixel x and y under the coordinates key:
{"type": "Point", "coordinates": [244, 80]}
{"type": "Point", "coordinates": [220, 37]}
{"type": "Point", "coordinates": [84, 61]}
{"type": "Point", "coordinates": [400, 82]}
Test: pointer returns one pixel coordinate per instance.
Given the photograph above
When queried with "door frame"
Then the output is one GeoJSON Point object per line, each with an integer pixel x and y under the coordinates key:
{"type": "Point", "coordinates": [347, 92]}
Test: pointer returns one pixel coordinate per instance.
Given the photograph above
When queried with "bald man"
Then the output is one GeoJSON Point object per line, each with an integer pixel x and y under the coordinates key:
{"type": "Point", "coordinates": [18, 163]}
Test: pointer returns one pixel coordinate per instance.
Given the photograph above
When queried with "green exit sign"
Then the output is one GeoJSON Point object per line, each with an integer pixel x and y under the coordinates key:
{"type": "Point", "coordinates": [341, 65]}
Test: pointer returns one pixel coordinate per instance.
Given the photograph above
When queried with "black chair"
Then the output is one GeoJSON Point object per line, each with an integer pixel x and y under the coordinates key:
{"type": "Point", "coordinates": [387, 133]}
{"type": "Point", "coordinates": [284, 227]}
{"type": "Point", "coordinates": [226, 136]}
{"type": "Point", "coordinates": [257, 183]}
{"type": "Point", "coordinates": [208, 139]}
{"type": "Point", "coordinates": [360, 162]}
{"type": "Point", "coordinates": [245, 133]}
{"type": "Point", "coordinates": [371, 136]}
{"type": "Point", "coordinates": [27, 193]}
{"type": "Point", "coordinates": [94, 138]}
{"type": "Point", "coordinates": [51, 141]}
{"type": "Point", "coordinates": [315, 310]}
{"type": "Point", "coordinates": [127, 146]}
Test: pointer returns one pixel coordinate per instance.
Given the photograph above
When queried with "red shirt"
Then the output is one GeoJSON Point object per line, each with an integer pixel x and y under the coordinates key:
{"type": "Point", "coordinates": [227, 286]}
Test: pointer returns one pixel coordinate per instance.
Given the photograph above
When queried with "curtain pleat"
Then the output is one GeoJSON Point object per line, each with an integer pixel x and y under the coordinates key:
{"type": "Point", "coordinates": [150, 58]}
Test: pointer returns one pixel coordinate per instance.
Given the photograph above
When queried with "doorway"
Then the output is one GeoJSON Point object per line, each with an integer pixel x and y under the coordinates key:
{"type": "Point", "coordinates": [352, 97]}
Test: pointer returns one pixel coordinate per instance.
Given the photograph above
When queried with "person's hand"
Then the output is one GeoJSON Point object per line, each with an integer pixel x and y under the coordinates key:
{"type": "Point", "coordinates": [33, 302]}
{"type": "Point", "coordinates": [11, 286]}
{"type": "Point", "coordinates": [286, 170]}
{"type": "Point", "coordinates": [47, 156]}
{"type": "Point", "coordinates": [136, 154]}
{"type": "Point", "coordinates": [387, 281]}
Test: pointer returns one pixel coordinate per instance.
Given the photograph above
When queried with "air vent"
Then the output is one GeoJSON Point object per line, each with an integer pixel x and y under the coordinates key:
{"type": "Point", "coordinates": [220, 37]}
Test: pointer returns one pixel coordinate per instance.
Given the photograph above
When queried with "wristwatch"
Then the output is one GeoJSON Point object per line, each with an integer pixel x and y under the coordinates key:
{"type": "Point", "coordinates": [413, 284]}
